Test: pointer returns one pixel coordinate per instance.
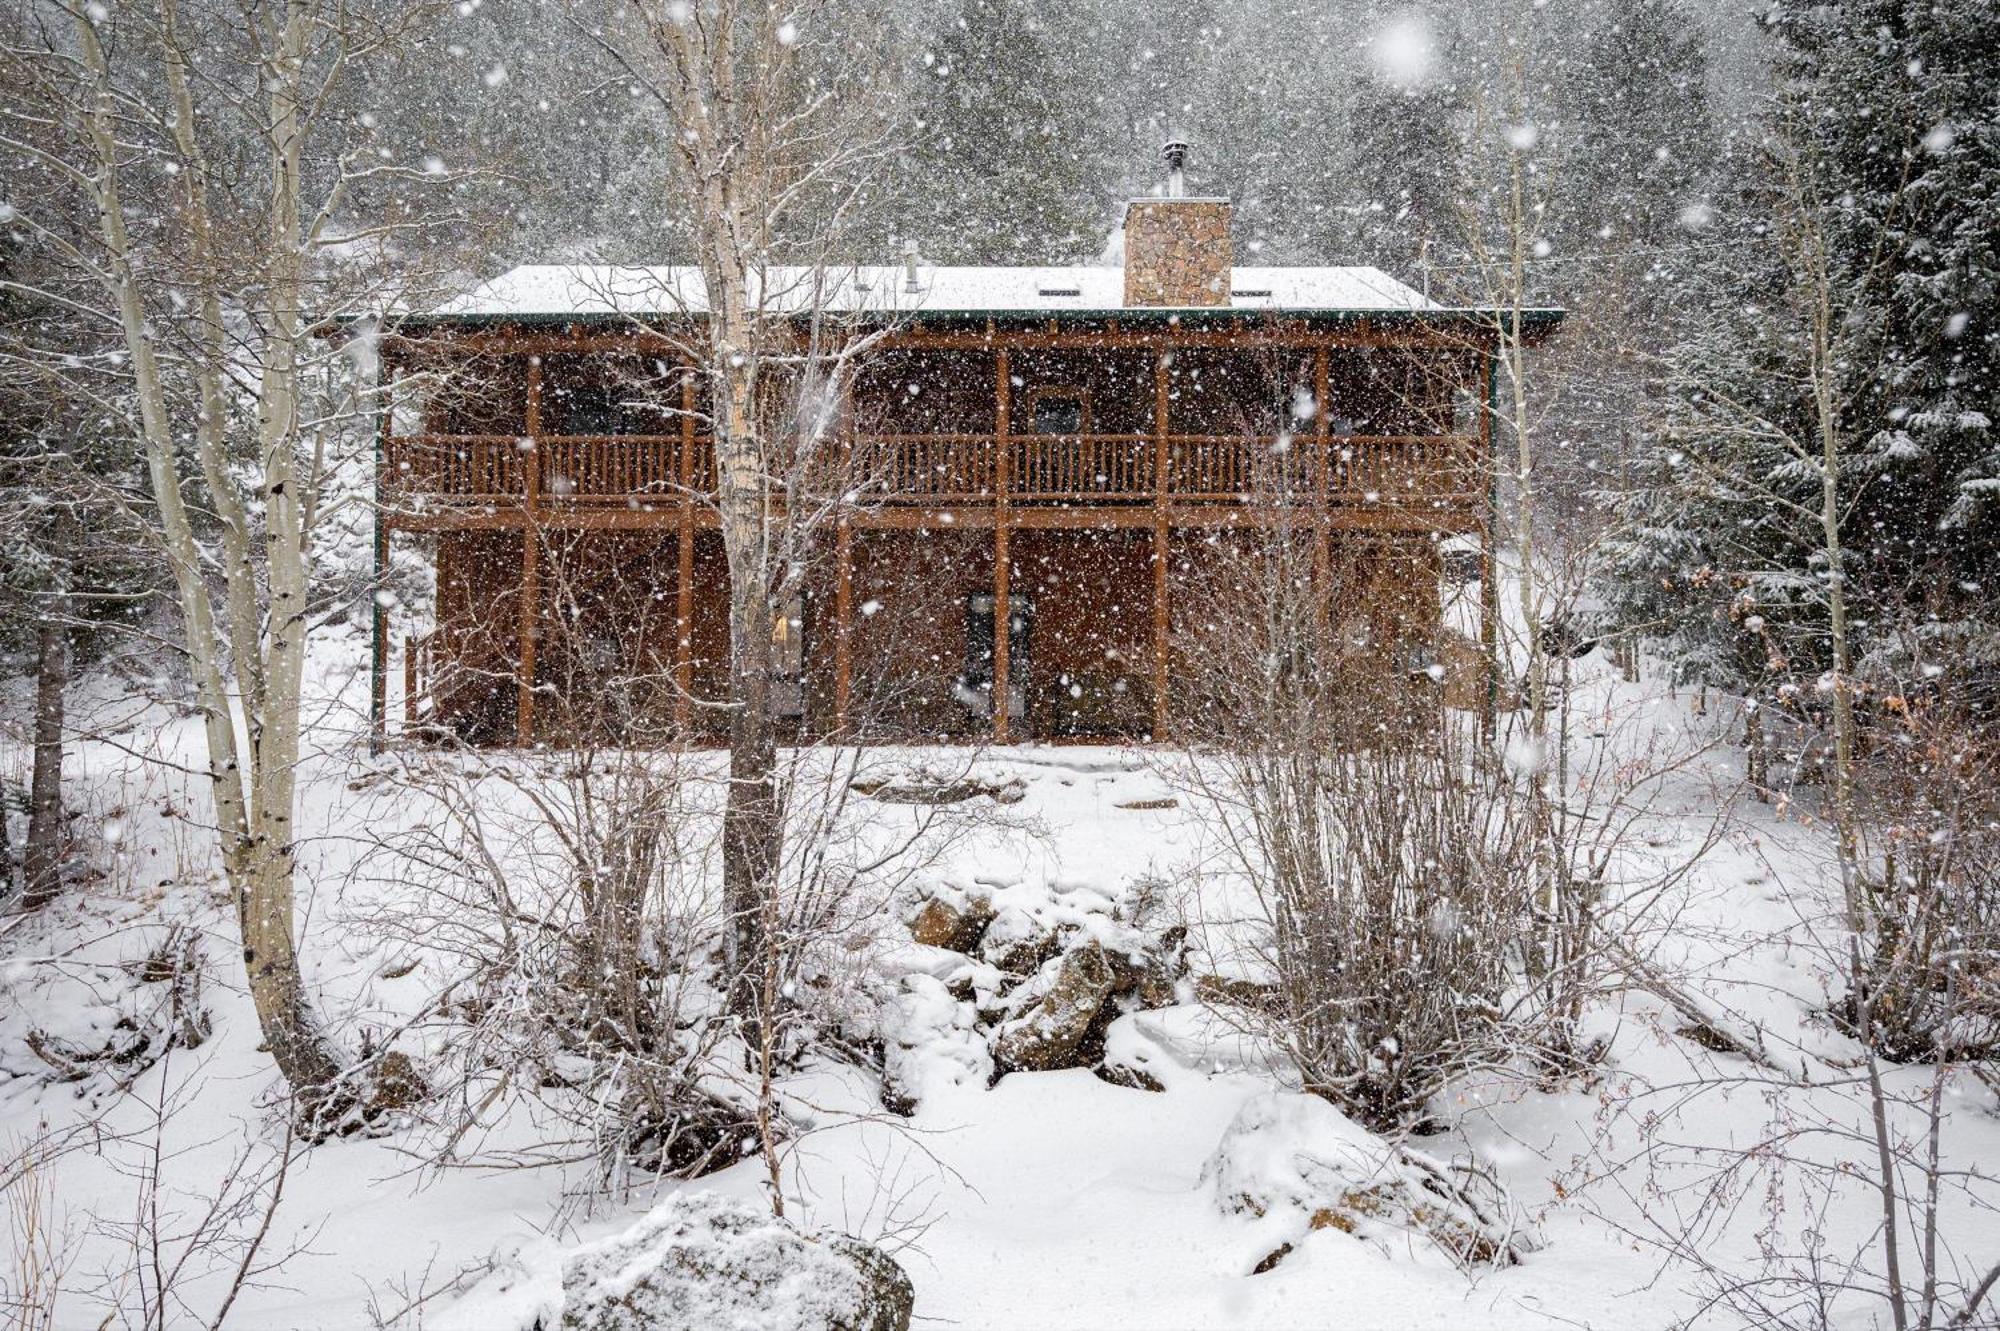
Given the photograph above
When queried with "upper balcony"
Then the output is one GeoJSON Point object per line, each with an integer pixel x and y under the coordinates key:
{"type": "Point", "coordinates": [1412, 474]}
{"type": "Point", "coordinates": [1393, 440]}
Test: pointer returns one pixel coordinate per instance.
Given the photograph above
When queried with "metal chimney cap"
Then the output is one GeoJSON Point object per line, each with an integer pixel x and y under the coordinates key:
{"type": "Point", "coordinates": [1175, 153]}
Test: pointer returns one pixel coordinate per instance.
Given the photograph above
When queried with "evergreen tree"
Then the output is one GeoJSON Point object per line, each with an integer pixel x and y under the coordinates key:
{"type": "Point", "coordinates": [1886, 131]}
{"type": "Point", "coordinates": [1008, 161]}
{"type": "Point", "coordinates": [1640, 139]}
{"type": "Point", "coordinates": [1405, 167]}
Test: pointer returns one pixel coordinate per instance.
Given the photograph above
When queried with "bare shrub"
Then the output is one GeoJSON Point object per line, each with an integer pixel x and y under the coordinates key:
{"type": "Point", "coordinates": [1389, 884]}
{"type": "Point", "coordinates": [31, 1287]}
{"type": "Point", "coordinates": [571, 902]}
{"type": "Point", "coordinates": [201, 1229]}
{"type": "Point", "coordinates": [564, 900]}
{"type": "Point", "coordinates": [1929, 818]}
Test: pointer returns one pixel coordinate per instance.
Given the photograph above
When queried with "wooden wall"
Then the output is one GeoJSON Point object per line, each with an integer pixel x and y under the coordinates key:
{"type": "Point", "coordinates": [607, 652]}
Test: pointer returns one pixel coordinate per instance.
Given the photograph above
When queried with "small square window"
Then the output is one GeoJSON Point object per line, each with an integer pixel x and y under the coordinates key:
{"type": "Point", "coordinates": [1058, 411]}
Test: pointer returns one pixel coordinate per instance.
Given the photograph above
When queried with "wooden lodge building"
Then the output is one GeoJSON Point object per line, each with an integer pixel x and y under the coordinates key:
{"type": "Point", "coordinates": [1059, 450]}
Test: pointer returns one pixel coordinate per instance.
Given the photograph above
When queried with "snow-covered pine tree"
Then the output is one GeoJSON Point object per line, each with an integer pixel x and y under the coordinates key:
{"type": "Point", "coordinates": [1705, 565]}
{"type": "Point", "coordinates": [1402, 160]}
{"type": "Point", "coordinates": [1900, 99]}
{"type": "Point", "coordinates": [1887, 113]}
{"type": "Point", "coordinates": [1009, 159]}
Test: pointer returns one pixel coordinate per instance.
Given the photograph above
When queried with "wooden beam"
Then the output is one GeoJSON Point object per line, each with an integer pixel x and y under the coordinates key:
{"type": "Point", "coordinates": [684, 555]}
{"type": "Point", "coordinates": [1003, 612]}
{"type": "Point", "coordinates": [531, 567]}
{"type": "Point", "coordinates": [1274, 330]}
{"type": "Point", "coordinates": [409, 682]}
{"type": "Point", "coordinates": [1162, 397]}
{"type": "Point", "coordinates": [1161, 625]}
{"type": "Point", "coordinates": [1322, 491]}
{"type": "Point", "coordinates": [1489, 589]}
{"type": "Point", "coordinates": [1459, 517]}
{"type": "Point", "coordinates": [531, 599]}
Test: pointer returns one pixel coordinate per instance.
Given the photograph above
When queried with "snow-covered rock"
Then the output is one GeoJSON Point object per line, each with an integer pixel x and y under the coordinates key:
{"type": "Point", "coordinates": [699, 1262]}
{"type": "Point", "coordinates": [1017, 941]}
{"type": "Point", "coordinates": [957, 925]}
{"type": "Point", "coordinates": [931, 1042]}
{"type": "Point", "coordinates": [1295, 1163]}
{"type": "Point", "coordinates": [1051, 1033]}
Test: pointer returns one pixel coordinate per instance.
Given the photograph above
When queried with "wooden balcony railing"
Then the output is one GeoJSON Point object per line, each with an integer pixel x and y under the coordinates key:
{"type": "Point", "coordinates": [1405, 471]}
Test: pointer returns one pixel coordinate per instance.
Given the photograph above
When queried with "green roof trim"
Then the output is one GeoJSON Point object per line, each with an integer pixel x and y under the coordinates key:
{"type": "Point", "coordinates": [1541, 319]}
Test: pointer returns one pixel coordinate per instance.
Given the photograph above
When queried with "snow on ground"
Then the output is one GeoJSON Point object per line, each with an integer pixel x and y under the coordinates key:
{"type": "Point", "coordinates": [1051, 1200]}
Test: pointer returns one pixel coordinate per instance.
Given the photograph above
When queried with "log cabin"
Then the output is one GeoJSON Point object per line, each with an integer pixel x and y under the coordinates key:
{"type": "Point", "coordinates": [1062, 451]}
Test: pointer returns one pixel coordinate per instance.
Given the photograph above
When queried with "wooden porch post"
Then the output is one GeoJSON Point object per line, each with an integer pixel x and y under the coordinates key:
{"type": "Point", "coordinates": [684, 554]}
{"type": "Point", "coordinates": [378, 641]}
{"type": "Point", "coordinates": [1322, 489]}
{"type": "Point", "coordinates": [843, 622]}
{"type": "Point", "coordinates": [1160, 544]}
{"type": "Point", "coordinates": [409, 682]}
{"type": "Point", "coordinates": [1489, 587]}
{"type": "Point", "coordinates": [1003, 612]}
{"type": "Point", "coordinates": [531, 566]}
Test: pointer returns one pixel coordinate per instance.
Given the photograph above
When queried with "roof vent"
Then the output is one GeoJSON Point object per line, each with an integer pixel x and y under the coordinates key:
{"type": "Point", "coordinates": [1059, 291]}
{"type": "Point", "coordinates": [910, 282]}
{"type": "Point", "coordinates": [1247, 293]}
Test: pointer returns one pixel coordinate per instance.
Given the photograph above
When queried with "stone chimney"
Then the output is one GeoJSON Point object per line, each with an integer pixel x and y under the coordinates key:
{"type": "Point", "coordinates": [1177, 249]}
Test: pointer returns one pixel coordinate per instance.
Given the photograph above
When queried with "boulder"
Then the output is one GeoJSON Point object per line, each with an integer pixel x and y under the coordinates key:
{"type": "Point", "coordinates": [1230, 991]}
{"type": "Point", "coordinates": [958, 928]}
{"type": "Point", "coordinates": [930, 1042]}
{"type": "Point", "coordinates": [888, 1298]}
{"type": "Point", "coordinates": [1052, 1033]}
{"type": "Point", "coordinates": [1018, 943]}
{"type": "Point", "coordinates": [1130, 1076]}
{"type": "Point", "coordinates": [1132, 1058]}
{"type": "Point", "coordinates": [1299, 1165]}
{"type": "Point", "coordinates": [703, 1261]}
{"type": "Point", "coordinates": [396, 1084]}
{"type": "Point", "coordinates": [1149, 970]}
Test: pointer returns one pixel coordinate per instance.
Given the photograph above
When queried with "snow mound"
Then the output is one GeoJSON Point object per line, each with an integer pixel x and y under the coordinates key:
{"type": "Point", "coordinates": [698, 1262]}
{"type": "Point", "coordinates": [1297, 1165]}
{"type": "Point", "coordinates": [67, 1020]}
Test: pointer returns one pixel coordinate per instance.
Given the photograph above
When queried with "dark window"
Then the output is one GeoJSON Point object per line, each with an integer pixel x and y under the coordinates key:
{"type": "Point", "coordinates": [1054, 412]}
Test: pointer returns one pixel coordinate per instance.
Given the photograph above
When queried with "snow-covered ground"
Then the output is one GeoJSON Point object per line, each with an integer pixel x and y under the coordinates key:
{"type": "Point", "coordinates": [1050, 1200]}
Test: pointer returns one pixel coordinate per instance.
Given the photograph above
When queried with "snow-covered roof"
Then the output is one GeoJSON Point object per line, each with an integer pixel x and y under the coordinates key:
{"type": "Point", "coordinates": [543, 291]}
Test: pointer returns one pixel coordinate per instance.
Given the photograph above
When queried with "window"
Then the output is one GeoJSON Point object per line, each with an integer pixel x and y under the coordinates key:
{"type": "Point", "coordinates": [609, 395]}
{"type": "Point", "coordinates": [1059, 411]}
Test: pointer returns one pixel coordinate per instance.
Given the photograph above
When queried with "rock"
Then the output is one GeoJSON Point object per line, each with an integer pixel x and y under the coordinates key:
{"type": "Point", "coordinates": [1018, 943]}
{"type": "Point", "coordinates": [927, 788]}
{"type": "Point", "coordinates": [1300, 1165]}
{"type": "Point", "coordinates": [1229, 991]}
{"type": "Point", "coordinates": [930, 1041]}
{"type": "Point", "coordinates": [702, 1261]}
{"type": "Point", "coordinates": [1052, 1033]}
{"type": "Point", "coordinates": [1155, 979]}
{"type": "Point", "coordinates": [941, 924]}
{"type": "Point", "coordinates": [1132, 1059]}
{"type": "Point", "coordinates": [1132, 1078]}
{"type": "Point", "coordinates": [1157, 987]}
{"type": "Point", "coordinates": [1271, 1259]}
{"type": "Point", "coordinates": [889, 1298]}
{"type": "Point", "coordinates": [396, 1085]}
